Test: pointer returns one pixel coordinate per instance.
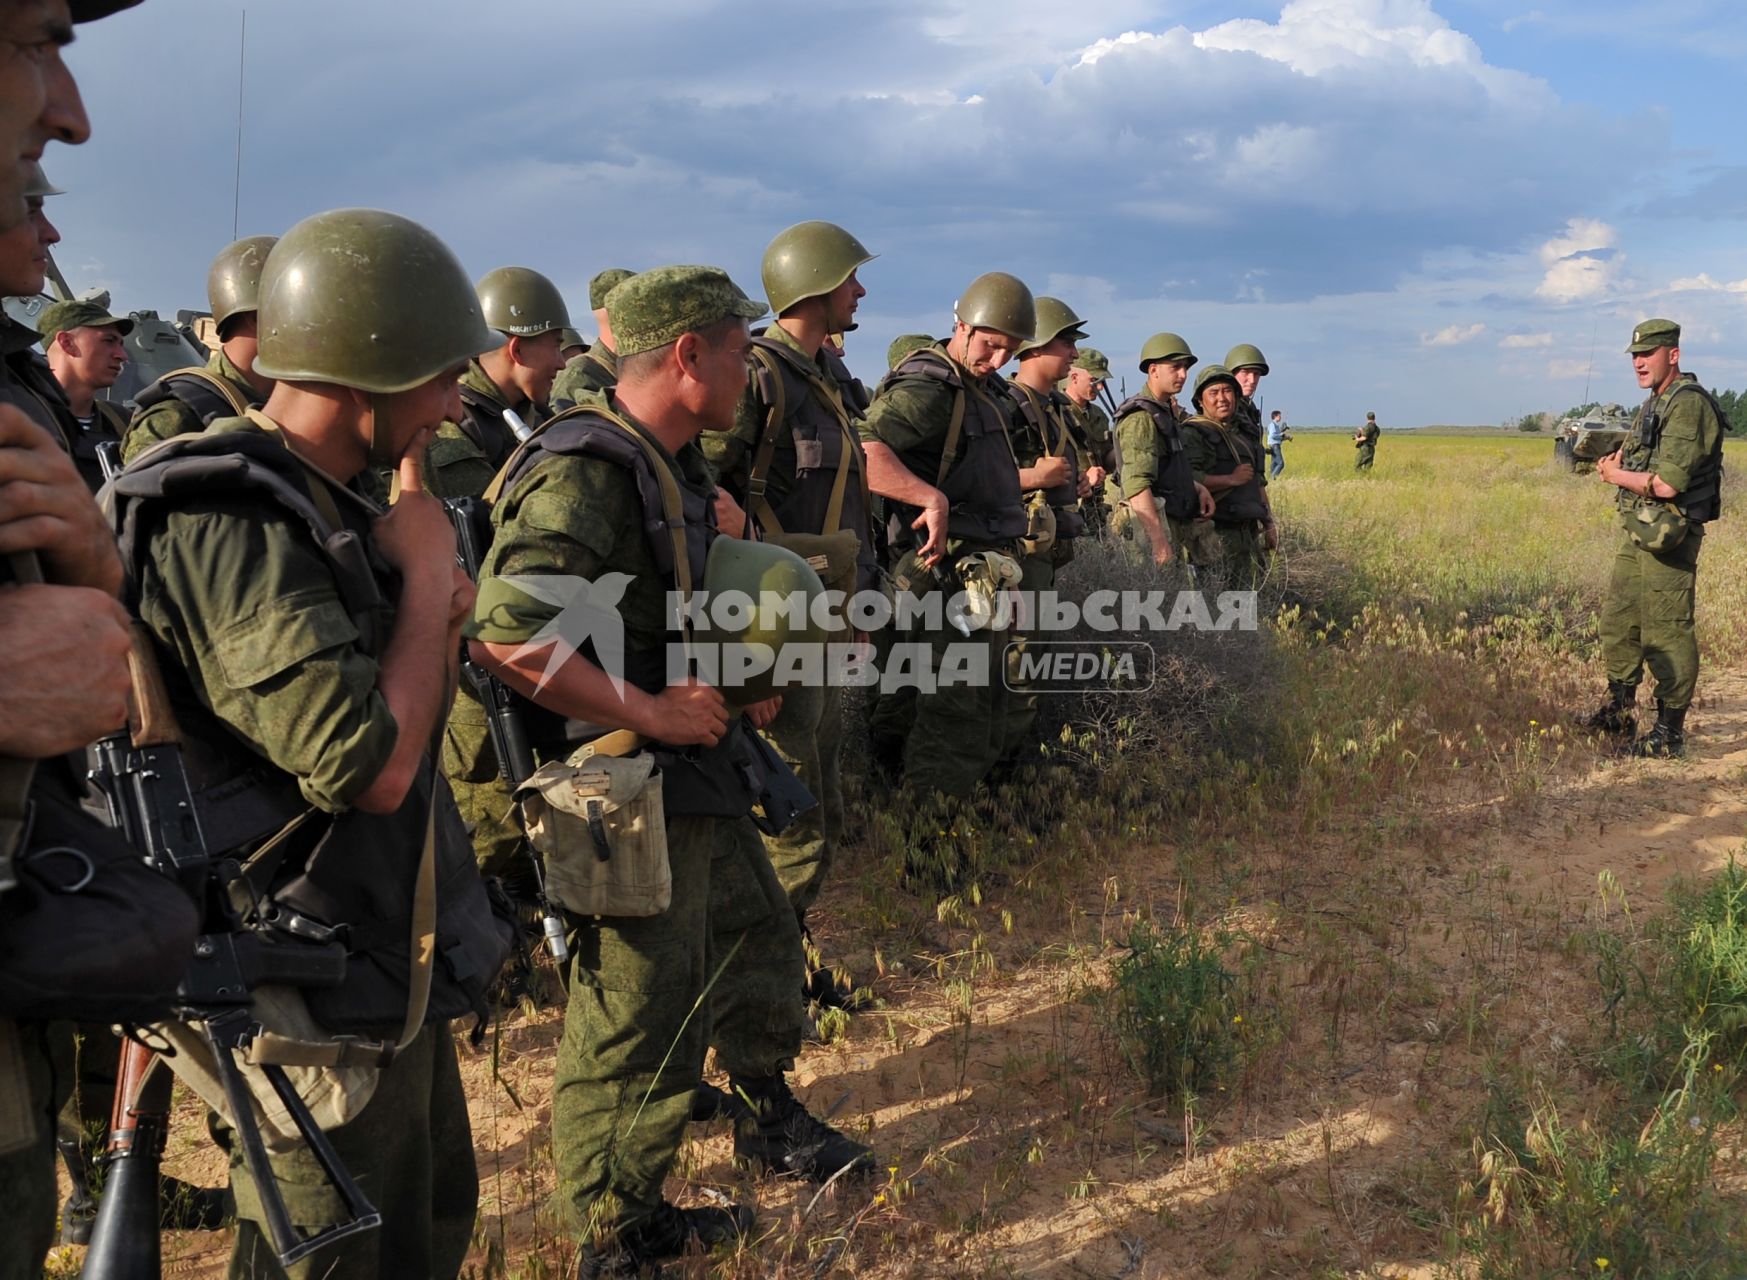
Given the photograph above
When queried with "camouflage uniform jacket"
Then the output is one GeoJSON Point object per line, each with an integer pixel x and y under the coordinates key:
{"type": "Point", "coordinates": [464, 456]}
{"type": "Point", "coordinates": [173, 416]}
{"type": "Point", "coordinates": [593, 373]}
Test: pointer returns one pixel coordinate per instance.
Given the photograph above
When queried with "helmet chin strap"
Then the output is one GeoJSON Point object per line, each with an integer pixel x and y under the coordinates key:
{"type": "Point", "coordinates": [376, 447]}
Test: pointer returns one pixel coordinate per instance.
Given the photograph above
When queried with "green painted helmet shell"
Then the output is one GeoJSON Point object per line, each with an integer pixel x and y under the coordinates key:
{"type": "Point", "coordinates": [569, 338]}
{"type": "Point", "coordinates": [765, 574]}
{"type": "Point", "coordinates": [366, 299]}
{"type": "Point", "coordinates": [807, 260]}
{"type": "Point", "coordinates": [1246, 355]}
{"type": "Point", "coordinates": [1211, 374]}
{"type": "Point", "coordinates": [233, 284]}
{"type": "Point", "coordinates": [521, 303]}
{"type": "Point", "coordinates": [998, 301]}
{"type": "Point", "coordinates": [1055, 319]}
{"type": "Point", "coordinates": [1165, 346]}
{"type": "Point", "coordinates": [37, 186]}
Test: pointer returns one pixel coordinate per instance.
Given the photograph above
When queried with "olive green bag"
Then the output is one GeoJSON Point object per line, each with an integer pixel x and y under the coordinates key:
{"type": "Point", "coordinates": [599, 823]}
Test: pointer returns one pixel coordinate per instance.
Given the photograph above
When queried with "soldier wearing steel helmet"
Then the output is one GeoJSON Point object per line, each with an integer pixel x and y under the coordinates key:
{"type": "Point", "coordinates": [594, 371]}
{"type": "Point", "coordinates": [309, 659]}
{"type": "Point", "coordinates": [617, 490]}
{"type": "Point", "coordinates": [1249, 366]}
{"type": "Point", "coordinates": [1227, 462]}
{"type": "Point", "coordinates": [1668, 477]}
{"type": "Point", "coordinates": [188, 399]}
{"type": "Point", "coordinates": [1039, 427]}
{"type": "Point", "coordinates": [937, 451]}
{"type": "Point", "coordinates": [527, 312]}
{"type": "Point", "coordinates": [1158, 484]}
{"type": "Point", "coordinates": [1093, 434]}
{"type": "Point", "coordinates": [793, 462]}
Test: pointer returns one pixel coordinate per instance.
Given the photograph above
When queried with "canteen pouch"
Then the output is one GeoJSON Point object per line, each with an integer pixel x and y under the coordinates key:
{"type": "Point", "coordinates": [333, 1094]}
{"type": "Point", "coordinates": [989, 579]}
{"type": "Point", "coordinates": [1040, 527]}
{"type": "Point", "coordinates": [832, 556]}
{"type": "Point", "coordinates": [598, 822]}
{"type": "Point", "coordinates": [90, 932]}
{"type": "Point", "coordinates": [1657, 527]}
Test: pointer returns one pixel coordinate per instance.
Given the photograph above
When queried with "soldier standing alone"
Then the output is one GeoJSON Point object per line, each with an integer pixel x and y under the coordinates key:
{"type": "Point", "coordinates": [1365, 441]}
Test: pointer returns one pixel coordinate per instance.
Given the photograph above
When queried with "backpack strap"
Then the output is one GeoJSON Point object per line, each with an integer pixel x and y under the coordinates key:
{"type": "Point", "coordinates": [210, 382]}
{"type": "Point", "coordinates": [767, 377]}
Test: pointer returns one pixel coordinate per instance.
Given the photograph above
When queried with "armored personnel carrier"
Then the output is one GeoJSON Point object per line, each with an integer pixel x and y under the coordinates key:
{"type": "Point", "coordinates": [1580, 441]}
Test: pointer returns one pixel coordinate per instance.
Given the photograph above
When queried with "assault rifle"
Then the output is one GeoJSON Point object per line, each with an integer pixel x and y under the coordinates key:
{"type": "Point", "coordinates": [141, 776]}
{"type": "Point", "coordinates": [503, 713]}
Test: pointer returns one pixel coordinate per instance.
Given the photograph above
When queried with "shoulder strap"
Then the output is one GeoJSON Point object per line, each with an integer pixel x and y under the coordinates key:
{"type": "Point", "coordinates": [768, 378]}
{"type": "Point", "coordinates": [204, 378]}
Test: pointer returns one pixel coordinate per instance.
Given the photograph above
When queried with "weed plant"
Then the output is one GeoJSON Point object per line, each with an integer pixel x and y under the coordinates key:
{"type": "Point", "coordinates": [1178, 1010]}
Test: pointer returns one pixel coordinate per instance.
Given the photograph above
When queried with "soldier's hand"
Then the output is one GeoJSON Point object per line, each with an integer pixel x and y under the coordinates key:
{"type": "Point", "coordinates": [45, 507]}
{"type": "Point", "coordinates": [1094, 479]}
{"type": "Point", "coordinates": [689, 714]}
{"type": "Point", "coordinates": [415, 537]}
{"type": "Point", "coordinates": [1244, 474]}
{"type": "Point", "coordinates": [462, 594]}
{"type": "Point", "coordinates": [933, 521]}
{"type": "Point", "coordinates": [1051, 471]}
{"type": "Point", "coordinates": [730, 518]}
{"type": "Point", "coordinates": [67, 684]}
{"type": "Point", "coordinates": [1204, 501]}
{"type": "Point", "coordinates": [1164, 553]}
{"type": "Point", "coordinates": [763, 714]}
{"type": "Point", "coordinates": [1271, 536]}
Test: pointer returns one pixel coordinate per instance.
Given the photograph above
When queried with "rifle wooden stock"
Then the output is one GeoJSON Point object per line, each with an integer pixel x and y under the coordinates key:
{"type": "Point", "coordinates": [150, 719]}
{"type": "Point", "coordinates": [124, 1240]}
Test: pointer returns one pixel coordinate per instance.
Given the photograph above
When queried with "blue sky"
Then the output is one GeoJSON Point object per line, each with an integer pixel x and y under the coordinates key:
{"type": "Point", "coordinates": [1433, 209]}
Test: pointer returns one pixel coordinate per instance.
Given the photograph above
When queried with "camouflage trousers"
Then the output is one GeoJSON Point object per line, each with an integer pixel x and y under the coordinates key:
{"type": "Point", "coordinates": [953, 733]}
{"type": "Point", "coordinates": [1367, 454]}
{"type": "Point", "coordinates": [1647, 618]}
{"type": "Point", "coordinates": [808, 733]}
{"type": "Point", "coordinates": [643, 1012]}
{"type": "Point", "coordinates": [486, 805]}
{"type": "Point", "coordinates": [1037, 576]}
{"type": "Point", "coordinates": [35, 1078]}
{"type": "Point", "coordinates": [1239, 557]}
{"type": "Point", "coordinates": [411, 1152]}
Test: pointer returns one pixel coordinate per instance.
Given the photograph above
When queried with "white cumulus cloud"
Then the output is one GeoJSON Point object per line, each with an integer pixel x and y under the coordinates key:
{"type": "Point", "coordinates": [1453, 335]}
{"type": "Point", "coordinates": [1525, 341]}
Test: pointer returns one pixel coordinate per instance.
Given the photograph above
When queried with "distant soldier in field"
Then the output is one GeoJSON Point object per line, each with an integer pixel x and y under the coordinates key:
{"type": "Point", "coordinates": [186, 400]}
{"type": "Point", "coordinates": [597, 369]}
{"type": "Point", "coordinates": [526, 310]}
{"type": "Point", "coordinates": [1669, 474]}
{"type": "Point", "coordinates": [1365, 441]}
{"type": "Point", "coordinates": [1158, 484]}
{"type": "Point", "coordinates": [1094, 437]}
{"type": "Point", "coordinates": [86, 353]}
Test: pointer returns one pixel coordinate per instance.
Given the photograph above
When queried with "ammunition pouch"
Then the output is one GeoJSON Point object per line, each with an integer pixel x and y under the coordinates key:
{"type": "Point", "coordinates": [1040, 525]}
{"type": "Point", "coordinates": [599, 822]}
{"type": "Point", "coordinates": [833, 556]}
{"type": "Point", "coordinates": [988, 580]}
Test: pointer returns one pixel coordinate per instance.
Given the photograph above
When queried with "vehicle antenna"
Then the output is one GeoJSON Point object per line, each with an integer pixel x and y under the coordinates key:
{"type": "Point", "coordinates": [1593, 325]}
{"type": "Point", "coordinates": [237, 190]}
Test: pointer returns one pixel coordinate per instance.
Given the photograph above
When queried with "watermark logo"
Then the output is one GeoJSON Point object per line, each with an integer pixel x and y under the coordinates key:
{"type": "Point", "coordinates": [1079, 666]}
{"type": "Point", "coordinates": [588, 613]}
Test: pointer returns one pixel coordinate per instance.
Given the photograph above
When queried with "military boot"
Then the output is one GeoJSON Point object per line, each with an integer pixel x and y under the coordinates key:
{"type": "Point", "coordinates": [781, 1135]}
{"type": "Point", "coordinates": [1667, 741]}
{"type": "Point", "coordinates": [1615, 715]}
{"type": "Point", "coordinates": [670, 1232]}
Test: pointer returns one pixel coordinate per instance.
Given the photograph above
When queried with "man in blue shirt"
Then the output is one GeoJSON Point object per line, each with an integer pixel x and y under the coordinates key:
{"type": "Point", "coordinates": [1278, 435]}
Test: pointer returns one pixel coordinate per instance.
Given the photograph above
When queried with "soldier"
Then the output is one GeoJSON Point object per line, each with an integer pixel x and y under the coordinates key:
{"type": "Point", "coordinates": [1228, 463]}
{"type": "Point", "coordinates": [904, 345]}
{"type": "Point", "coordinates": [572, 345]}
{"type": "Point", "coordinates": [186, 400]}
{"type": "Point", "coordinates": [1669, 474]}
{"type": "Point", "coordinates": [527, 312]}
{"type": "Point", "coordinates": [1094, 440]}
{"type": "Point", "coordinates": [57, 698]}
{"type": "Point", "coordinates": [24, 260]}
{"type": "Point", "coordinates": [309, 653]}
{"type": "Point", "coordinates": [793, 461]}
{"type": "Point", "coordinates": [1158, 484]}
{"type": "Point", "coordinates": [86, 354]}
{"type": "Point", "coordinates": [595, 371]}
{"type": "Point", "coordinates": [1038, 427]}
{"type": "Point", "coordinates": [574, 507]}
{"type": "Point", "coordinates": [1365, 441]}
{"type": "Point", "coordinates": [1249, 367]}
{"type": "Point", "coordinates": [937, 450]}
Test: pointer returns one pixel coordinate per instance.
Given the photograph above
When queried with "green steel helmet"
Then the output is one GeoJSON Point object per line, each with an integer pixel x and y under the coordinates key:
{"type": "Point", "coordinates": [1055, 319]}
{"type": "Point", "coordinates": [1165, 346]}
{"type": "Point", "coordinates": [903, 345]}
{"type": "Point", "coordinates": [1246, 356]}
{"type": "Point", "coordinates": [233, 283]}
{"type": "Point", "coordinates": [569, 338]}
{"type": "Point", "coordinates": [37, 185]}
{"type": "Point", "coordinates": [1211, 374]}
{"type": "Point", "coordinates": [368, 300]}
{"type": "Point", "coordinates": [807, 260]}
{"type": "Point", "coordinates": [520, 303]}
{"type": "Point", "coordinates": [1000, 302]}
{"type": "Point", "coordinates": [766, 579]}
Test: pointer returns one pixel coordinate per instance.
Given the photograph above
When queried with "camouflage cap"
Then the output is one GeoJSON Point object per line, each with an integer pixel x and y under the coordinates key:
{"type": "Point", "coordinates": [903, 345]}
{"type": "Point", "coordinates": [78, 313]}
{"type": "Point", "coordinates": [1651, 334]}
{"type": "Point", "coordinates": [1093, 361]}
{"type": "Point", "coordinates": [656, 307]}
{"type": "Point", "coordinates": [604, 283]}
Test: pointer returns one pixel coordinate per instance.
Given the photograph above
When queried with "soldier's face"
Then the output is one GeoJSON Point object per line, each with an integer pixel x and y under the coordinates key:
{"type": "Point", "coordinates": [38, 99]}
{"type": "Point", "coordinates": [538, 361]}
{"type": "Point", "coordinates": [1247, 379]}
{"type": "Point", "coordinates": [24, 252]}
{"type": "Point", "coordinates": [418, 412]}
{"type": "Point", "coordinates": [841, 303]}
{"type": "Point", "coordinates": [1055, 358]}
{"type": "Point", "coordinates": [983, 351]}
{"type": "Point", "coordinates": [1219, 401]}
{"type": "Point", "coordinates": [95, 356]}
{"type": "Point", "coordinates": [1654, 367]}
{"type": "Point", "coordinates": [722, 369]}
{"type": "Point", "coordinates": [1166, 377]}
